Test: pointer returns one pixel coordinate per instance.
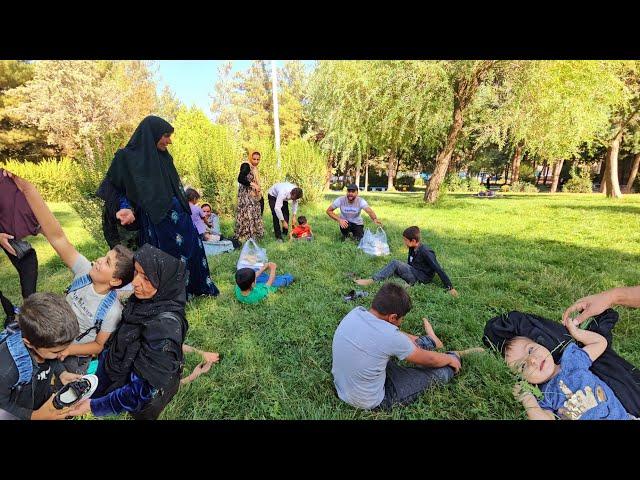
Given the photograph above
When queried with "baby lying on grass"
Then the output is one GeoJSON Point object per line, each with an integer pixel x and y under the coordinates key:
{"type": "Point", "coordinates": [570, 390]}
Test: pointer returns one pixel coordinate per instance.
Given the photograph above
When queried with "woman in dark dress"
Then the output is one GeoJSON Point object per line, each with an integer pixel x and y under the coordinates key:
{"type": "Point", "coordinates": [142, 185]}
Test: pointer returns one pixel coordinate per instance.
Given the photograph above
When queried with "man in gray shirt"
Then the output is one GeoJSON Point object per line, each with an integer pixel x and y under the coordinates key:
{"type": "Point", "coordinates": [350, 220]}
{"type": "Point", "coordinates": [365, 341]}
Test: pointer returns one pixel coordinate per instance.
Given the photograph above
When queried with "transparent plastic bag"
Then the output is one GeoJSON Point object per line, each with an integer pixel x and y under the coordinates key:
{"type": "Point", "coordinates": [374, 243]}
{"type": "Point", "coordinates": [252, 256]}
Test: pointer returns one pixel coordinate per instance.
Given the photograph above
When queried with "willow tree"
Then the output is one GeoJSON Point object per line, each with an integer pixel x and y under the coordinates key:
{"type": "Point", "coordinates": [552, 108]}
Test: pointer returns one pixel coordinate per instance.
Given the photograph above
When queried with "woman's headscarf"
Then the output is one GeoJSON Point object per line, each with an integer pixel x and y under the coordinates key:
{"type": "Point", "coordinates": [146, 175]}
{"type": "Point", "coordinates": [148, 341]}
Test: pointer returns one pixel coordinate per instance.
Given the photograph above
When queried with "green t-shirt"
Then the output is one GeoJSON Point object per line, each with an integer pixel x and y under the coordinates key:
{"type": "Point", "coordinates": [260, 291]}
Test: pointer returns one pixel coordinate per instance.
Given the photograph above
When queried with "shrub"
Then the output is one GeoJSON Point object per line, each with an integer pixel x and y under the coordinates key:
{"type": "Point", "coordinates": [405, 183]}
{"type": "Point", "coordinates": [580, 181]}
{"type": "Point", "coordinates": [454, 183]}
{"type": "Point", "coordinates": [305, 165]}
{"type": "Point", "coordinates": [55, 180]}
{"type": "Point", "coordinates": [336, 186]}
{"type": "Point", "coordinates": [505, 188]}
{"type": "Point", "coordinates": [523, 187]}
{"type": "Point", "coordinates": [527, 173]}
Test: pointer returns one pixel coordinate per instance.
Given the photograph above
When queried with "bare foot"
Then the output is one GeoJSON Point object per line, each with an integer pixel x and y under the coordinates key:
{"type": "Point", "coordinates": [203, 367]}
{"type": "Point", "coordinates": [211, 357]}
{"type": "Point", "coordinates": [364, 281]}
{"type": "Point", "coordinates": [429, 330]}
{"type": "Point", "coordinates": [469, 350]}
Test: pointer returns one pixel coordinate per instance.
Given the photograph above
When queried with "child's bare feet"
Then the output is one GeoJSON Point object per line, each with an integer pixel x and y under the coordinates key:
{"type": "Point", "coordinates": [429, 330]}
{"type": "Point", "coordinates": [461, 353]}
{"type": "Point", "coordinates": [364, 281]}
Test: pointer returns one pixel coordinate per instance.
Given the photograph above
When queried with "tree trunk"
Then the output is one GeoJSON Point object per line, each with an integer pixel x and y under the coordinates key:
{"type": "Point", "coordinates": [366, 175]}
{"type": "Point", "coordinates": [611, 181]}
{"type": "Point", "coordinates": [515, 163]}
{"type": "Point", "coordinates": [464, 91]}
{"type": "Point", "coordinates": [545, 172]}
{"type": "Point", "coordinates": [357, 182]}
{"type": "Point", "coordinates": [327, 181]}
{"type": "Point", "coordinates": [443, 157]}
{"type": "Point", "coordinates": [390, 171]}
{"type": "Point", "coordinates": [557, 168]}
{"type": "Point", "coordinates": [634, 172]}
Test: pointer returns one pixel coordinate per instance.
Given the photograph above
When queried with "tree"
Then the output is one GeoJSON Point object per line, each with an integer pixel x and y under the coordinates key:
{"type": "Point", "coordinates": [167, 105]}
{"type": "Point", "coordinates": [553, 108]}
{"type": "Point", "coordinates": [16, 138]}
{"type": "Point", "coordinates": [464, 78]}
{"type": "Point", "coordinates": [77, 103]}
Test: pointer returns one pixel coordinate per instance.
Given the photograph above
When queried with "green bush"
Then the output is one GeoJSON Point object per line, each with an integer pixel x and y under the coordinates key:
{"type": "Point", "coordinates": [305, 165]}
{"type": "Point", "coordinates": [505, 188]}
{"type": "Point", "coordinates": [55, 180]}
{"type": "Point", "coordinates": [405, 183]}
{"type": "Point", "coordinates": [523, 187]}
{"type": "Point", "coordinates": [527, 173]}
{"type": "Point", "coordinates": [454, 183]}
{"type": "Point", "coordinates": [336, 186]}
{"type": "Point", "coordinates": [580, 181]}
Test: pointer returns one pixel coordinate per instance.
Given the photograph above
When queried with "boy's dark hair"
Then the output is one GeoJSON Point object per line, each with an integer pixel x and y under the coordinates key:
{"type": "Point", "coordinates": [207, 205]}
{"type": "Point", "coordinates": [125, 267]}
{"type": "Point", "coordinates": [296, 193]}
{"type": "Point", "coordinates": [191, 194]}
{"type": "Point", "coordinates": [412, 233]}
{"type": "Point", "coordinates": [508, 344]}
{"type": "Point", "coordinates": [392, 298]}
{"type": "Point", "coordinates": [302, 220]}
{"type": "Point", "coordinates": [47, 320]}
{"type": "Point", "coordinates": [245, 278]}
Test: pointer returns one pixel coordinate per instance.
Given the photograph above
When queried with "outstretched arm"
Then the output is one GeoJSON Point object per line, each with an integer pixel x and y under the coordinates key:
{"type": "Point", "coordinates": [598, 303]}
{"type": "Point", "coordinates": [373, 216]}
{"type": "Point", "coordinates": [49, 225]}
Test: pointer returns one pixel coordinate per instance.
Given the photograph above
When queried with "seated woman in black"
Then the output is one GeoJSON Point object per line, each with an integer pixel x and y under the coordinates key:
{"type": "Point", "coordinates": [140, 371]}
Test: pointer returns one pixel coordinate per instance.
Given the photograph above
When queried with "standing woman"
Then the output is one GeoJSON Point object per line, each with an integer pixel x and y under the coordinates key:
{"type": "Point", "coordinates": [250, 201]}
{"type": "Point", "coordinates": [147, 189]}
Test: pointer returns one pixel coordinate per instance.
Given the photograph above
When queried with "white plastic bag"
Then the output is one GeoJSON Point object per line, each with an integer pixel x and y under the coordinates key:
{"type": "Point", "coordinates": [374, 243]}
{"type": "Point", "coordinates": [252, 256]}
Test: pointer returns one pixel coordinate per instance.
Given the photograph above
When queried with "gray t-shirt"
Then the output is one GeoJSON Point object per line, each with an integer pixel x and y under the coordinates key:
{"type": "Point", "coordinates": [350, 211]}
{"type": "Point", "coordinates": [85, 302]}
{"type": "Point", "coordinates": [362, 346]}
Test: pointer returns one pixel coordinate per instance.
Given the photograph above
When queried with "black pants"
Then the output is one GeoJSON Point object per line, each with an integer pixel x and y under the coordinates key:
{"type": "Point", "coordinates": [276, 222]}
{"type": "Point", "coordinates": [261, 205]}
{"type": "Point", "coordinates": [27, 268]}
{"type": "Point", "coordinates": [356, 230]}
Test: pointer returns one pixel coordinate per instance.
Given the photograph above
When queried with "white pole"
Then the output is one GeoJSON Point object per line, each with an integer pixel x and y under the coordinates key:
{"type": "Point", "coordinates": [276, 118]}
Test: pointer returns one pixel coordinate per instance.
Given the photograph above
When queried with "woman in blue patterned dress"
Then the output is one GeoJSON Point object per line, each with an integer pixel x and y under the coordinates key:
{"type": "Point", "coordinates": [142, 185]}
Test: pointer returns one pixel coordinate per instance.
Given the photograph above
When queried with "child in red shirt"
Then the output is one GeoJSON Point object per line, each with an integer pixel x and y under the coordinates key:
{"type": "Point", "coordinates": [302, 230]}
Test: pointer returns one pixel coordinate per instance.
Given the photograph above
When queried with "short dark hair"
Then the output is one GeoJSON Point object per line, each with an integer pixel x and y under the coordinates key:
{"type": "Point", "coordinates": [302, 219]}
{"type": "Point", "coordinates": [192, 195]}
{"type": "Point", "coordinates": [392, 298]}
{"type": "Point", "coordinates": [125, 268]}
{"type": "Point", "coordinates": [245, 278]}
{"type": "Point", "coordinates": [206, 205]}
{"type": "Point", "coordinates": [509, 344]}
{"type": "Point", "coordinates": [412, 233]}
{"type": "Point", "coordinates": [296, 193]}
{"type": "Point", "coordinates": [253, 153]}
{"type": "Point", "coordinates": [47, 320]}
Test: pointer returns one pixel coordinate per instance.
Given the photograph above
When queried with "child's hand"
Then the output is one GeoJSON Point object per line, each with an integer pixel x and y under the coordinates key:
{"type": "Point", "coordinates": [517, 391]}
{"type": "Point", "coordinates": [66, 377]}
{"type": "Point", "coordinates": [571, 327]}
{"type": "Point", "coordinates": [271, 265]}
{"type": "Point", "coordinates": [81, 408]}
{"type": "Point", "coordinates": [125, 216]}
{"type": "Point", "coordinates": [453, 292]}
{"type": "Point", "coordinates": [63, 354]}
{"type": "Point", "coordinates": [48, 412]}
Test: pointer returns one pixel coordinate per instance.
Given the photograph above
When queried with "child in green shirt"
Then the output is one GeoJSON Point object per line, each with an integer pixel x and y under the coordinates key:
{"type": "Point", "coordinates": [247, 291]}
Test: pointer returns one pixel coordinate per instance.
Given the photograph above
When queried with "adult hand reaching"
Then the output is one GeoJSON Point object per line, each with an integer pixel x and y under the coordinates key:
{"type": "Point", "coordinates": [4, 241]}
{"type": "Point", "coordinates": [125, 216]}
{"type": "Point", "coordinates": [589, 306]}
{"type": "Point", "coordinates": [343, 223]}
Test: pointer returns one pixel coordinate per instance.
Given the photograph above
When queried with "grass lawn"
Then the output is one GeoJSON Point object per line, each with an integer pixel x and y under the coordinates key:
{"type": "Point", "coordinates": [534, 253]}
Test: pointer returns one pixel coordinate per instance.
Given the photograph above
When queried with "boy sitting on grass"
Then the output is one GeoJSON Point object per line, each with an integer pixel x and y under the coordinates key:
{"type": "Point", "coordinates": [570, 390]}
{"type": "Point", "coordinates": [92, 294]}
{"type": "Point", "coordinates": [302, 230]}
{"type": "Point", "coordinates": [421, 266]}
{"type": "Point", "coordinates": [29, 349]}
{"type": "Point", "coordinates": [252, 286]}
{"type": "Point", "coordinates": [364, 374]}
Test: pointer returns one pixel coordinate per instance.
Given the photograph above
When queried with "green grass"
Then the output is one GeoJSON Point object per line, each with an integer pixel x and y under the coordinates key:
{"type": "Point", "coordinates": [534, 253]}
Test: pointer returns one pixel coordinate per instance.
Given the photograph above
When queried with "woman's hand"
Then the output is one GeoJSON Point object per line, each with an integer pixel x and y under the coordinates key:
{"type": "Point", "coordinates": [4, 241]}
{"type": "Point", "coordinates": [125, 216]}
{"type": "Point", "coordinates": [81, 408]}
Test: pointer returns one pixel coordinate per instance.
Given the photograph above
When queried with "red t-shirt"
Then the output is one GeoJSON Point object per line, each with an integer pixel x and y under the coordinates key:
{"type": "Point", "coordinates": [301, 230]}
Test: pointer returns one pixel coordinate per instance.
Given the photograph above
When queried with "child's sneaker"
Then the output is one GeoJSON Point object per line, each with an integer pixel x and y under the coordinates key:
{"type": "Point", "coordinates": [75, 391]}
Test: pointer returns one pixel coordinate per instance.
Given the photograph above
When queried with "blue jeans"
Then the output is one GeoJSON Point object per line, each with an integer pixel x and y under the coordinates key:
{"type": "Point", "coordinates": [398, 268]}
{"type": "Point", "coordinates": [283, 280]}
{"type": "Point", "coordinates": [403, 385]}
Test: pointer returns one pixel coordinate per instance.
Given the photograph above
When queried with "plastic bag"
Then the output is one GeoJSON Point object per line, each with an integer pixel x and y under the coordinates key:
{"type": "Point", "coordinates": [252, 256]}
{"type": "Point", "coordinates": [374, 243]}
